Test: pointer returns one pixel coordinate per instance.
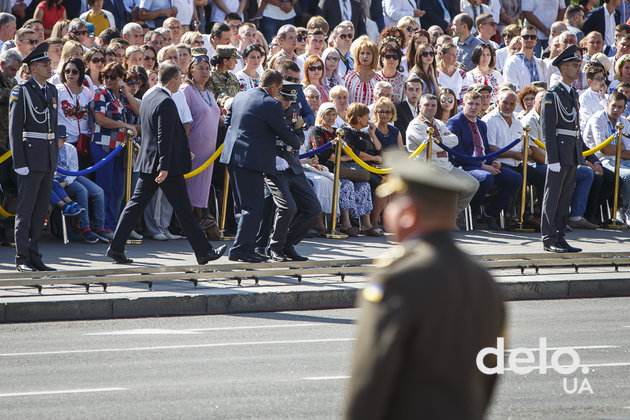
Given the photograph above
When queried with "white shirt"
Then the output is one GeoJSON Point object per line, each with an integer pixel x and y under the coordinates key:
{"type": "Point", "coordinates": [394, 10]}
{"type": "Point", "coordinates": [417, 134]}
{"type": "Point", "coordinates": [456, 82]}
{"type": "Point", "coordinates": [180, 102]}
{"type": "Point", "coordinates": [502, 55]}
{"type": "Point", "coordinates": [609, 33]}
{"type": "Point", "coordinates": [218, 15]}
{"type": "Point", "coordinates": [590, 103]}
{"type": "Point", "coordinates": [500, 134]}
{"type": "Point", "coordinates": [67, 111]}
{"type": "Point", "coordinates": [275, 12]}
{"type": "Point", "coordinates": [545, 10]}
{"type": "Point", "coordinates": [515, 71]}
{"type": "Point", "coordinates": [185, 9]}
{"type": "Point", "coordinates": [532, 119]}
{"type": "Point", "coordinates": [599, 128]}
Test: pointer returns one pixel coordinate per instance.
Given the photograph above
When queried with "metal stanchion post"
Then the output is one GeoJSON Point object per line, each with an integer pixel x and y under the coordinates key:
{"type": "Point", "coordinates": [226, 186]}
{"type": "Point", "coordinates": [429, 144]}
{"type": "Point", "coordinates": [614, 223]}
{"type": "Point", "coordinates": [338, 144]}
{"type": "Point", "coordinates": [129, 146]}
{"type": "Point", "coordinates": [520, 227]}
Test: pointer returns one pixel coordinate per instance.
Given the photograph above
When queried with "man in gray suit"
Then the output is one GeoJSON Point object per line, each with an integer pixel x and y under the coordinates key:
{"type": "Point", "coordinates": [560, 127]}
{"type": "Point", "coordinates": [33, 139]}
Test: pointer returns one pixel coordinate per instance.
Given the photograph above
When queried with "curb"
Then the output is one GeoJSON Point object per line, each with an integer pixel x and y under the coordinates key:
{"type": "Point", "coordinates": [240, 302]}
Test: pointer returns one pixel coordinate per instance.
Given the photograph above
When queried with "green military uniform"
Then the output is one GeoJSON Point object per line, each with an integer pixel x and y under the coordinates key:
{"type": "Point", "coordinates": [6, 85]}
{"type": "Point", "coordinates": [227, 82]}
{"type": "Point", "coordinates": [424, 318]}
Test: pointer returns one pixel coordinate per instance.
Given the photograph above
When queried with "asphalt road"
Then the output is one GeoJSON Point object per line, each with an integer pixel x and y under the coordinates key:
{"type": "Point", "coordinates": [283, 365]}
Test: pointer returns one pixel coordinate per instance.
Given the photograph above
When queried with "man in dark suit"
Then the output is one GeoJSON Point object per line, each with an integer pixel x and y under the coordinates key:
{"type": "Point", "coordinates": [336, 11]}
{"type": "Point", "coordinates": [33, 140]}
{"type": "Point", "coordinates": [163, 160]}
{"type": "Point", "coordinates": [407, 109]}
{"type": "Point", "coordinates": [427, 314]}
{"type": "Point", "coordinates": [597, 21]}
{"type": "Point", "coordinates": [254, 122]}
{"type": "Point", "coordinates": [472, 134]}
{"type": "Point", "coordinates": [561, 131]}
{"type": "Point", "coordinates": [438, 12]}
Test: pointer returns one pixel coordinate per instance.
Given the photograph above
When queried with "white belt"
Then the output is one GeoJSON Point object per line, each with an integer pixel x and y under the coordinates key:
{"type": "Point", "coordinates": [564, 132]}
{"type": "Point", "coordinates": [35, 135]}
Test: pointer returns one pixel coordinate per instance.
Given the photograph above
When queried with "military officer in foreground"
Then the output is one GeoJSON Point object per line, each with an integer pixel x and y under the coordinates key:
{"type": "Point", "coordinates": [560, 127]}
{"type": "Point", "coordinates": [427, 314]}
{"type": "Point", "coordinates": [33, 139]}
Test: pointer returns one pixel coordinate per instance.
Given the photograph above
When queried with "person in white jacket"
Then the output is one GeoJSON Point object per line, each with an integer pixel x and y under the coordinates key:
{"type": "Point", "coordinates": [523, 68]}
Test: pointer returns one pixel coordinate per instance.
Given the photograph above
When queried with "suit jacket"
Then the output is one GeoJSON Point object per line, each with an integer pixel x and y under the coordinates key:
{"type": "Point", "coordinates": [254, 121]}
{"type": "Point", "coordinates": [403, 118]}
{"type": "Point", "coordinates": [562, 148]}
{"type": "Point", "coordinates": [27, 107]}
{"type": "Point", "coordinates": [435, 14]}
{"type": "Point", "coordinates": [458, 125]}
{"type": "Point", "coordinates": [164, 141]}
{"type": "Point", "coordinates": [423, 320]}
{"type": "Point", "coordinates": [331, 11]}
{"type": "Point", "coordinates": [596, 21]}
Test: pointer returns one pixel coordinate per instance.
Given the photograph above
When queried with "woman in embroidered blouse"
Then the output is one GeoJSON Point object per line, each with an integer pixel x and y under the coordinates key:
{"type": "Point", "coordinates": [484, 58]}
{"type": "Point", "coordinates": [74, 100]}
{"type": "Point", "coordinates": [202, 138]}
{"type": "Point", "coordinates": [390, 61]}
{"type": "Point", "coordinates": [113, 106]}
{"type": "Point", "coordinates": [314, 75]}
{"type": "Point", "coordinates": [94, 59]}
{"type": "Point", "coordinates": [425, 69]}
{"type": "Point", "coordinates": [330, 57]}
{"type": "Point", "coordinates": [449, 75]}
{"type": "Point", "coordinates": [248, 77]}
{"type": "Point", "coordinates": [360, 81]}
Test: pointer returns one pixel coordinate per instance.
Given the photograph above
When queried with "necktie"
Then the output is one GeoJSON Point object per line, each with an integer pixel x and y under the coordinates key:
{"type": "Point", "coordinates": [44, 91]}
{"type": "Point", "coordinates": [475, 13]}
{"type": "Point", "coordinates": [447, 15]}
{"type": "Point", "coordinates": [478, 143]}
{"type": "Point", "coordinates": [347, 10]}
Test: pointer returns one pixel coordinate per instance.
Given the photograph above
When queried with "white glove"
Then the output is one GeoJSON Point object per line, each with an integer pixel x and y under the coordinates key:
{"type": "Point", "coordinates": [22, 171]}
{"type": "Point", "coordinates": [554, 167]}
{"type": "Point", "coordinates": [281, 164]}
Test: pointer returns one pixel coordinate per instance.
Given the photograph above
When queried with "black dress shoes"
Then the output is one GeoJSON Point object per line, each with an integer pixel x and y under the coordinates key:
{"type": "Point", "coordinates": [25, 267]}
{"type": "Point", "coordinates": [277, 256]}
{"type": "Point", "coordinates": [554, 247]}
{"type": "Point", "coordinates": [260, 251]}
{"type": "Point", "coordinates": [40, 266]}
{"type": "Point", "coordinates": [564, 244]}
{"type": "Point", "coordinates": [491, 222]}
{"type": "Point", "coordinates": [214, 254]}
{"type": "Point", "coordinates": [249, 258]}
{"type": "Point", "coordinates": [118, 256]}
{"type": "Point", "coordinates": [292, 254]}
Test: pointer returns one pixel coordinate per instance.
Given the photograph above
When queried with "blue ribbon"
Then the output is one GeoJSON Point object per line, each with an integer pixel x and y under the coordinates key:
{"type": "Point", "coordinates": [488, 156]}
{"type": "Point", "coordinates": [94, 167]}
{"type": "Point", "coordinates": [316, 151]}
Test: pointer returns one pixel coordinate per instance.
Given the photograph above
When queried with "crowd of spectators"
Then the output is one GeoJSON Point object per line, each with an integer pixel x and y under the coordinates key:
{"type": "Point", "coordinates": [475, 71]}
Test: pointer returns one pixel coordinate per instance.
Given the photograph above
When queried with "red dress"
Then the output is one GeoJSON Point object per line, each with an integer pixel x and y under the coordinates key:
{"type": "Point", "coordinates": [51, 15]}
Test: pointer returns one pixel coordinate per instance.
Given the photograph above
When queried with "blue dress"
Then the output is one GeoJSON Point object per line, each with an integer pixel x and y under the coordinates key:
{"type": "Point", "coordinates": [389, 140]}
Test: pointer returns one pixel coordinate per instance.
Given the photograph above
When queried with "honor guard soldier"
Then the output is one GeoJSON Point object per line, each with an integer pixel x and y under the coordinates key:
{"type": "Point", "coordinates": [296, 204]}
{"type": "Point", "coordinates": [33, 139]}
{"type": "Point", "coordinates": [561, 131]}
{"type": "Point", "coordinates": [427, 313]}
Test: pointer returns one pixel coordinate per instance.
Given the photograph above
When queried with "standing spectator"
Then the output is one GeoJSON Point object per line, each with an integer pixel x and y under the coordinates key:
{"type": "Point", "coordinates": [341, 40]}
{"type": "Point", "coordinates": [523, 68]}
{"type": "Point", "coordinates": [275, 14]}
{"type": "Point", "coordinates": [338, 11]}
{"type": "Point", "coordinates": [483, 58]}
{"type": "Point", "coordinates": [574, 19]}
{"type": "Point", "coordinates": [249, 77]}
{"type": "Point", "coordinates": [604, 19]}
{"type": "Point", "coordinates": [425, 69]}
{"type": "Point", "coordinates": [464, 40]}
{"type": "Point", "coordinates": [509, 32]}
{"type": "Point", "coordinates": [222, 8]}
{"type": "Point", "coordinates": [449, 75]}
{"type": "Point", "coordinates": [49, 12]}
{"type": "Point", "coordinates": [246, 37]}
{"type": "Point", "coordinates": [390, 62]}
{"type": "Point", "coordinates": [510, 13]}
{"type": "Point", "coordinates": [113, 106]}
{"type": "Point", "coordinates": [7, 28]}
{"type": "Point", "coordinates": [222, 80]}
{"type": "Point", "coordinates": [407, 109]}
{"type": "Point", "coordinates": [487, 28]}
{"type": "Point", "coordinates": [154, 12]}
{"type": "Point", "coordinates": [360, 81]}
{"type": "Point", "coordinates": [101, 19]}
{"type": "Point", "coordinates": [186, 13]}
{"type": "Point", "coordinates": [394, 10]}
{"type": "Point", "coordinates": [202, 137]}
{"type": "Point", "coordinates": [438, 13]}
{"type": "Point", "coordinates": [474, 9]}
{"type": "Point", "coordinates": [541, 15]}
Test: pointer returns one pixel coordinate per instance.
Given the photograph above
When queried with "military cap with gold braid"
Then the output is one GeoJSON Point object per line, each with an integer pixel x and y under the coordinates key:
{"type": "Point", "coordinates": [40, 53]}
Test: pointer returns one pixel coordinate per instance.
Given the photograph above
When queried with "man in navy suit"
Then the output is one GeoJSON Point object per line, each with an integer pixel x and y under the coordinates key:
{"type": "Point", "coordinates": [438, 12]}
{"type": "Point", "coordinates": [331, 10]}
{"type": "Point", "coordinates": [163, 160]}
{"type": "Point", "coordinates": [598, 20]}
{"type": "Point", "coordinates": [473, 141]}
{"type": "Point", "coordinates": [254, 122]}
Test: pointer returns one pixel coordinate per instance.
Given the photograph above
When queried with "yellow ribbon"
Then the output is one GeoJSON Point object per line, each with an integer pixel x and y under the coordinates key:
{"type": "Point", "coordinates": [364, 165]}
{"type": "Point", "coordinates": [6, 156]}
{"type": "Point", "coordinates": [206, 164]}
{"type": "Point", "coordinates": [586, 152]}
{"type": "Point", "coordinates": [5, 213]}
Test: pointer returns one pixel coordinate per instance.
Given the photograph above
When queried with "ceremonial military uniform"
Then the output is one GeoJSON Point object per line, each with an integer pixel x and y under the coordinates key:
{"type": "Point", "coordinates": [33, 139]}
{"type": "Point", "coordinates": [560, 127]}
{"type": "Point", "coordinates": [424, 317]}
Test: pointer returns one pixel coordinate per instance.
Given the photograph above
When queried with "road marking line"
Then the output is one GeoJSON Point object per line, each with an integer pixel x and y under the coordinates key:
{"type": "Point", "coordinates": [590, 365]}
{"type": "Point", "coordinates": [188, 346]}
{"type": "Point", "coordinates": [324, 378]}
{"type": "Point", "coordinates": [65, 391]}
{"type": "Point", "coordinates": [566, 347]}
{"type": "Point", "coordinates": [158, 331]}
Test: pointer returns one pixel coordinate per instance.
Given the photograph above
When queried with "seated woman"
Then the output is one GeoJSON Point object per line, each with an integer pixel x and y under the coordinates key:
{"type": "Point", "coordinates": [355, 198]}
{"type": "Point", "coordinates": [384, 116]}
{"type": "Point", "coordinates": [367, 147]}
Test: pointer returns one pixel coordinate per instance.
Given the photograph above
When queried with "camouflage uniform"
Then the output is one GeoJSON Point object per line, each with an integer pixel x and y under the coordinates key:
{"type": "Point", "coordinates": [223, 83]}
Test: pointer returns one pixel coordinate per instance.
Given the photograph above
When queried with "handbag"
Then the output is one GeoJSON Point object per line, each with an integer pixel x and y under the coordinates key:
{"type": "Point", "coordinates": [353, 172]}
{"type": "Point", "coordinates": [83, 143]}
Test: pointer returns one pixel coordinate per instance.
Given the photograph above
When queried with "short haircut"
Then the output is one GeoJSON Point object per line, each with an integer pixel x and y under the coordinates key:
{"type": "Point", "coordinates": [288, 65]}
{"type": "Point", "coordinates": [412, 79]}
{"type": "Point", "coordinates": [149, 35]}
{"type": "Point", "coordinates": [471, 94]}
{"type": "Point", "coordinates": [311, 89]}
{"type": "Point", "coordinates": [356, 110]}
{"type": "Point", "coordinates": [218, 29]}
{"type": "Point", "coordinates": [528, 28]}
{"type": "Point", "coordinates": [132, 49]}
{"type": "Point", "coordinates": [131, 27]}
{"type": "Point", "coordinates": [593, 68]}
{"type": "Point", "coordinates": [108, 34]}
{"type": "Point", "coordinates": [476, 55]}
{"type": "Point", "coordinates": [363, 43]}
{"type": "Point", "coordinates": [113, 67]}
{"type": "Point", "coordinates": [164, 51]}
{"type": "Point", "coordinates": [466, 20]}
{"type": "Point", "coordinates": [571, 11]}
{"type": "Point", "coordinates": [11, 55]}
{"type": "Point", "coordinates": [232, 16]}
{"type": "Point", "coordinates": [271, 77]}
{"type": "Point", "coordinates": [387, 104]}
{"type": "Point", "coordinates": [79, 64]}
{"type": "Point", "coordinates": [622, 27]}
{"type": "Point", "coordinates": [168, 71]}
{"type": "Point", "coordinates": [19, 35]}
{"type": "Point", "coordinates": [617, 96]}
{"type": "Point", "coordinates": [318, 22]}
{"type": "Point", "coordinates": [183, 46]}
{"type": "Point", "coordinates": [527, 90]}
{"type": "Point", "coordinates": [338, 90]}
{"type": "Point", "coordinates": [481, 18]}
{"type": "Point", "coordinates": [6, 18]}
{"type": "Point", "coordinates": [284, 30]}
{"type": "Point", "coordinates": [428, 97]}
{"type": "Point", "coordinates": [54, 41]}
{"type": "Point", "coordinates": [29, 23]}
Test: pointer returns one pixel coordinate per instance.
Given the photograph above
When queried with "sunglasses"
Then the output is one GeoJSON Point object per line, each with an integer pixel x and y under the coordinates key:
{"type": "Point", "coordinates": [315, 68]}
{"type": "Point", "coordinates": [31, 41]}
{"type": "Point", "coordinates": [332, 58]}
{"type": "Point", "coordinates": [98, 60]}
{"type": "Point", "coordinates": [111, 77]}
{"type": "Point", "coordinates": [411, 29]}
{"type": "Point", "coordinates": [133, 83]}
{"type": "Point", "coordinates": [71, 71]}
{"type": "Point", "coordinates": [445, 100]}
{"type": "Point", "coordinates": [344, 36]}
{"type": "Point", "coordinates": [292, 79]}
{"type": "Point", "coordinates": [599, 78]}
{"type": "Point", "coordinates": [80, 32]}
{"type": "Point", "coordinates": [494, 24]}
{"type": "Point", "coordinates": [202, 58]}
{"type": "Point", "coordinates": [384, 111]}
{"type": "Point", "coordinates": [391, 57]}
{"type": "Point", "coordinates": [301, 38]}
{"type": "Point", "coordinates": [147, 58]}
{"type": "Point", "coordinates": [530, 37]}
{"type": "Point", "coordinates": [428, 53]}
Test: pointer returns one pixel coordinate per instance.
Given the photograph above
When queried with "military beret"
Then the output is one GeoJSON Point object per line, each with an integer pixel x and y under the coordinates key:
{"type": "Point", "coordinates": [226, 51]}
